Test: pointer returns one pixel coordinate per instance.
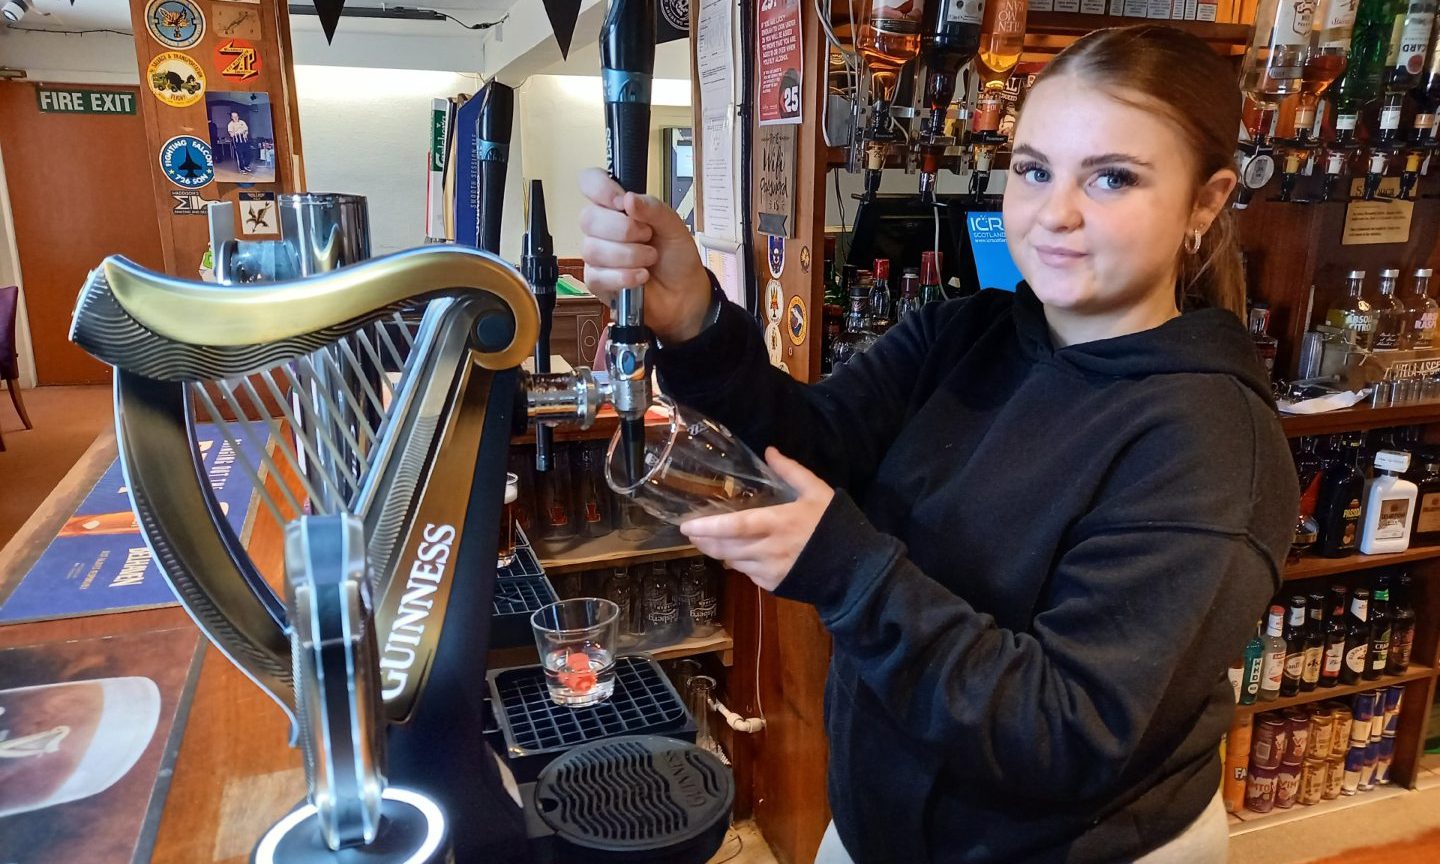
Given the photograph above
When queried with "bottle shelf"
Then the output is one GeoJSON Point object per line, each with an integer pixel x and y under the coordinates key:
{"type": "Point", "coordinates": [1076, 24]}
{"type": "Point", "coordinates": [584, 553]}
{"type": "Point", "coordinates": [1359, 418]}
{"type": "Point", "coordinates": [1416, 672]}
{"type": "Point", "coordinates": [1312, 567]}
{"type": "Point", "coordinates": [1246, 821]}
{"type": "Point", "coordinates": [720, 643]}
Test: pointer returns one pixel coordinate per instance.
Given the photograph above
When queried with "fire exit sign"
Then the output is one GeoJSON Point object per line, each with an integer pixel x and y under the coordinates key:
{"type": "Point", "coordinates": [55, 100]}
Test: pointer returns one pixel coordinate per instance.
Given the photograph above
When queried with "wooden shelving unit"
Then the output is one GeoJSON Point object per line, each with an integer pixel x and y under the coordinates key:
{"type": "Point", "coordinates": [1246, 821]}
{"type": "Point", "coordinates": [585, 553]}
{"type": "Point", "coordinates": [720, 643]}
{"type": "Point", "coordinates": [1359, 418]}
{"type": "Point", "coordinates": [1322, 694]}
{"type": "Point", "coordinates": [1315, 567]}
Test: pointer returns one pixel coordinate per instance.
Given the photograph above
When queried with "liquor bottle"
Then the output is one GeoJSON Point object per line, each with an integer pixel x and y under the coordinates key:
{"type": "Point", "coordinates": [1294, 636]}
{"type": "Point", "coordinates": [698, 598]}
{"type": "Point", "coordinates": [1253, 666]}
{"type": "Point", "coordinates": [1353, 313]}
{"type": "Point", "coordinates": [880, 297]}
{"type": "Point", "coordinates": [1426, 477]}
{"type": "Point", "coordinates": [950, 39]}
{"type": "Point", "coordinates": [1325, 56]}
{"type": "Point", "coordinates": [1314, 641]}
{"type": "Point", "coordinates": [1412, 21]}
{"type": "Point", "coordinates": [889, 38]}
{"type": "Point", "coordinates": [554, 501]}
{"type": "Point", "coordinates": [659, 606]}
{"type": "Point", "coordinates": [1402, 628]}
{"type": "Point", "coordinates": [1310, 470]}
{"type": "Point", "coordinates": [1421, 312]}
{"type": "Point", "coordinates": [1364, 65]}
{"type": "Point", "coordinates": [1342, 492]}
{"type": "Point", "coordinates": [909, 294]}
{"type": "Point", "coordinates": [1335, 631]}
{"type": "Point", "coordinates": [1389, 503]}
{"type": "Point", "coordinates": [1265, 344]}
{"type": "Point", "coordinates": [1272, 673]}
{"type": "Point", "coordinates": [1427, 93]}
{"type": "Point", "coordinates": [1380, 629]}
{"type": "Point", "coordinates": [930, 290]}
{"type": "Point", "coordinates": [857, 336]}
{"type": "Point", "coordinates": [1389, 313]}
{"type": "Point", "coordinates": [1002, 40]}
{"type": "Point", "coordinates": [593, 496]}
{"type": "Point", "coordinates": [1357, 638]}
{"type": "Point", "coordinates": [1274, 61]}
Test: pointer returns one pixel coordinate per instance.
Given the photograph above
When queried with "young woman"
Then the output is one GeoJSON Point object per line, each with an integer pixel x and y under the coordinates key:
{"type": "Point", "coordinates": [1039, 525]}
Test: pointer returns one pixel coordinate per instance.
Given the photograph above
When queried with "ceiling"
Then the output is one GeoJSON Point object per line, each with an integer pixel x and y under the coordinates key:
{"type": "Point", "coordinates": [115, 14]}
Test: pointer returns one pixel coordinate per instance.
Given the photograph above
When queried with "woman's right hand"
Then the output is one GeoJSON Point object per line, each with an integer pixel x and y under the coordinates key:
{"type": "Point", "coordinates": [631, 240]}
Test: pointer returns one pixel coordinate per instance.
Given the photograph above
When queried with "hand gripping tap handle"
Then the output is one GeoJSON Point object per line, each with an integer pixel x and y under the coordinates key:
{"type": "Point", "coordinates": [627, 61]}
{"type": "Point", "coordinates": [541, 269]}
{"type": "Point", "coordinates": [492, 152]}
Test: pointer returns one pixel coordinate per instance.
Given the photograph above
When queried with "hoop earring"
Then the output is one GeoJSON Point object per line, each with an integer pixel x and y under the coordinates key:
{"type": "Point", "coordinates": [1192, 241]}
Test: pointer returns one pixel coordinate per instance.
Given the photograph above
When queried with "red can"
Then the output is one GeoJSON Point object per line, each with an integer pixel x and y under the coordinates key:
{"type": "Point", "coordinates": [1287, 784]}
{"type": "Point", "coordinates": [1272, 733]}
{"type": "Point", "coordinates": [1299, 729]}
{"type": "Point", "coordinates": [1260, 789]}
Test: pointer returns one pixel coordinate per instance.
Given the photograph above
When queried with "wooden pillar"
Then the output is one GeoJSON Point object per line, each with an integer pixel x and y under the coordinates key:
{"type": "Point", "coordinates": [200, 61]}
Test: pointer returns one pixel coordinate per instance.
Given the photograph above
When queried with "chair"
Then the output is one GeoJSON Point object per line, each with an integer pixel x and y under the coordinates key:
{"type": "Point", "coordinates": [9, 358]}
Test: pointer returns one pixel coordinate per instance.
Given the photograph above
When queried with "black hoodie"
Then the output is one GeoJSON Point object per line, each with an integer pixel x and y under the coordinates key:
{"type": "Point", "coordinates": [1037, 569]}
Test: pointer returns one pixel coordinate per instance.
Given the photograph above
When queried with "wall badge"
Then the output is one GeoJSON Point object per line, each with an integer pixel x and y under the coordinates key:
{"type": "Point", "coordinates": [187, 161]}
{"type": "Point", "coordinates": [176, 79]}
{"type": "Point", "coordinates": [189, 203]}
{"type": "Point", "coordinates": [805, 259]}
{"type": "Point", "coordinates": [774, 343]}
{"type": "Point", "coordinates": [774, 301]}
{"type": "Point", "coordinates": [175, 23]}
{"type": "Point", "coordinates": [237, 59]}
{"type": "Point", "coordinates": [776, 257]}
{"type": "Point", "coordinates": [795, 320]}
{"type": "Point", "coordinates": [258, 214]}
{"type": "Point", "coordinates": [241, 22]}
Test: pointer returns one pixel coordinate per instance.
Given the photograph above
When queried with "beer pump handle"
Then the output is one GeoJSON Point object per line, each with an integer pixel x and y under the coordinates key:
{"type": "Point", "coordinates": [541, 269]}
{"type": "Point", "coordinates": [492, 152]}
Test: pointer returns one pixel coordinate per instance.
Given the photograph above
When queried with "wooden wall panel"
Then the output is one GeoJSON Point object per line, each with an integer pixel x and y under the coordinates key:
{"type": "Point", "coordinates": [265, 25]}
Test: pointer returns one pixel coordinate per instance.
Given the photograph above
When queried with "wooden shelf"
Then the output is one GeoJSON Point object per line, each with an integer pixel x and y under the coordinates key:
{"type": "Point", "coordinates": [1320, 694]}
{"type": "Point", "coordinates": [1246, 821]}
{"type": "Point", "coordinates": [1074, 24]}
{"type": "Point", "coordinates": [719, 642]}
{"type": "Point", "coordinates": [584, 553]}
{"type": "Point", "coordinates": [1359, 418]}
{"type": "Point", "coordinates": [1312, 567]}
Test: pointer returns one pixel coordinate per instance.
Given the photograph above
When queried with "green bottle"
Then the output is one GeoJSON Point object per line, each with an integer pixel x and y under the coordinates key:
{"type": "Point", "coordinates": [1254, 657]}
{"type": "Point", "coordinates": [1361, 82]}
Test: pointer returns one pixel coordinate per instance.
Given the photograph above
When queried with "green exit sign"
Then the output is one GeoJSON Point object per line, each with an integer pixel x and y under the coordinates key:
{"type": "Point", "coordinates": [56, 100]}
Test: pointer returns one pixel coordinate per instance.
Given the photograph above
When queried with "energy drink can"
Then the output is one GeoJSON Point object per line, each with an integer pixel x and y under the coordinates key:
{"type": "Point", "coordinates": [1299, 729]}
{"type": "Point", "coordinates": [1287, 784]}
{"type": "Point", "coordinates": [1312, 782]}
{"type": "Point", "coordinates": [1260, 789]}
{"type": "Point", "coordinates": [1322, 728]}
{"type": "Point", "coordinates": [1334, 777]}
{"type": "Point", "coordinates": [1354, 765]}
{"type": "Point", "coordinates": [1271, 737]}
{"type": "Point", "coordinates": [1340, 738]}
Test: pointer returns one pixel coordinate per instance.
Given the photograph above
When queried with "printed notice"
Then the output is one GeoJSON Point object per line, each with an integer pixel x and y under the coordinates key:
{"type": "Point", "coordinates": [778, 45]}
{"type": "Point", "coordinates": [1372, 222]}
{"type": "Point", "coordinates": [776, 182]}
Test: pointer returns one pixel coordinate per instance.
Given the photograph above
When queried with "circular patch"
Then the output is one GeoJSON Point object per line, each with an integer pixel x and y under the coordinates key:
{"type": "Point", "coordinates": [187, 161]}
{"type": "Point", "coordinates": [677, 14]}
{"type": "Point", "coordinates": [175, 23]}
{"type": "Point", "coordinates": [805, 259]}
{"type": "Point", "coordinates": [176, 79]}
{"type": "Point", "coordinates": [774, 342]}
{"type": "Point", "coordinates": [774, 301]}
{"type": "Point", "coordinates": [237, 59]}
{"type": "Point", "coordinates": [795, 319]}
{"type": "Point", "coordinates": [776, 256]}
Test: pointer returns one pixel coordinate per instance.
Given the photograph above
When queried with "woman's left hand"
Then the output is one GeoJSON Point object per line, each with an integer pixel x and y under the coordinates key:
{"type": "Point", "coordinates": [764, 543]}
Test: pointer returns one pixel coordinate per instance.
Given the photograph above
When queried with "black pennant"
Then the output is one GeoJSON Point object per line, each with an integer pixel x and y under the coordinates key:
{"type": "Point", "coordinates": [329, 12]}
{"type": "Point", "coordinates": [563, 15]}
{"type": "Point", "coordinates": [672, 20]}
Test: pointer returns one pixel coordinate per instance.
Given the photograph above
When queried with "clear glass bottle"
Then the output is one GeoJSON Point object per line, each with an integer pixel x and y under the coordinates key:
{"type": "Point", "coordinates": [1353, 313]}
{"type": "Point", "coordinates": [1421, 312]}
{"type": "Point", "coordinates": [593, 496]}
{"type": "Point", "coordinates": [1265, 345]}
{"type": "Point", "coordinates": [659, 607]}
{"type": "Point", "coordinates": [699, 599]}
{"type": "Point", "coordinates": [909, 294]}
{"type": "Point", "coordinates": [857, 337]}
{"type": "Point", "coordinates": [700, 692]}
{"type": "Point", "coordinates": [553, 511]}
{"type": "Point", "coordinates": [889, 38]}
{"type": "Point", "coordinates": [1325, 57]}
{"type": "Point", "coordinates": [1272, 673]}
{"type": "Point", "coordinates": [1275, 60]}
{"type": "Point", "coordinates": [620, 590]}
{"type": "Point", "coordinates": [880, 305]}
{"type": "Point", "coordinates": [1389, 313]}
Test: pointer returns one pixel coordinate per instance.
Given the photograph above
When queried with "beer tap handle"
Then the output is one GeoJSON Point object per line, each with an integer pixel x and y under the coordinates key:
{"type": "Point", "coordinates": [541, 269]}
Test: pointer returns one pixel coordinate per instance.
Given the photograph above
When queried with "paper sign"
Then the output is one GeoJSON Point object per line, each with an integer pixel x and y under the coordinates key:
{"type": "Point", "coordinates": [778, 45]}
{"type": "Point", "coordinates": [776, 184]}
{"type": "Point", "coordinates": [1371, 222]}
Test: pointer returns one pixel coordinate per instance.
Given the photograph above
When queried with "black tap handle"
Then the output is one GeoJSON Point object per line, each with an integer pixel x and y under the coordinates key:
{"type": "Point", "coordinates": [627, 61]}
{"type": "Point", "coordinates": [542, 270]}
{"type": "Point", "coordinates": [492, 153]}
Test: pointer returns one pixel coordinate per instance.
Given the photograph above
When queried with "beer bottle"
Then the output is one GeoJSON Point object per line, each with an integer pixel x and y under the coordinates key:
{"type": "Point", "coordinates": [1402, 628]}
{"type": "Point", "coordinates": [1294, 635]}
{"type": "Point", "coordinates": [1380, 628]}
{"type": "Point", "coordinates": [1357, 638]}
{"type": "Point", "coordinates": [1334, 638]}
{"type": "Point", "coordinates": [1314, 641]}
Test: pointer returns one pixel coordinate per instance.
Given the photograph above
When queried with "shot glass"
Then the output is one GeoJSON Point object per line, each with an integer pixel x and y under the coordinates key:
{"type": "Point", "coordinates": [694, 467]}
{"type": "Point", "coordinates": [577, 640]}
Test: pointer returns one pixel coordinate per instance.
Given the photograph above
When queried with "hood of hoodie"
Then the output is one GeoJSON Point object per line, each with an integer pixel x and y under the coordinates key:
{"type": "Point", "coordinates": [1204, 341]}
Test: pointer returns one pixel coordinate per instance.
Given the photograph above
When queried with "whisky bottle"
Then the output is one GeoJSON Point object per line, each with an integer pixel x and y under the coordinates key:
{"type": "Point", "coordinates": [1426, 530]}
{"type": "Point", "coordinates": [1389, 313]}
{"type": "Point", "coordinates": [889, 38]}
{"type": "Point", "coordinates": [1353, 313]}
{"type": "Point", "coordinates": [1324, 59]}
{"type": "Point", "coordinates": [1266, 345]}
{"type": "Point", "coordinates": [1421, 312]}
{"type": "Point", "coordinates": [950, 40]}
{"type": "Point", "coordinates": [1274, 60]}
{"type": "Point", "coordinates": [1427, 93]}
{"type": "Point", "coordinates": [1412, 21]}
